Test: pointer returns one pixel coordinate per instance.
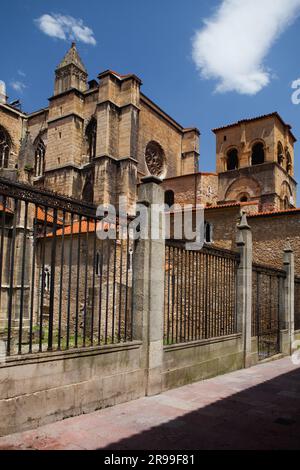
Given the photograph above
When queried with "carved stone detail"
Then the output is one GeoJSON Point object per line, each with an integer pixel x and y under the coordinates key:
{"type": "Point", "coordinates": [155, 158]}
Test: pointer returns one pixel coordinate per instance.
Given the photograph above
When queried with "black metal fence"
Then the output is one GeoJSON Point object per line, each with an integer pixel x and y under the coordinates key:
{"type": "Point", "coordinates": [200, 293]}
{"type": "Point", "coordinates": [61, 287]}
{"type": "Point", "coordinates": [297, 303]}
{"type": "Point", "coordinates": [267, 301]}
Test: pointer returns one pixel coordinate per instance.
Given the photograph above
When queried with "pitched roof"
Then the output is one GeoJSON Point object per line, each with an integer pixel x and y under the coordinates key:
{"type": "Point", "coordinates": [72, 57]}
{"type": "Point", "coordinates": [50, 219]}
{"type": "Point", "coordinates": [257, 118]}
{"type": "Point", "coordinates": [274, 213]}
{"type": "Point", "coordinates": [86, 227]}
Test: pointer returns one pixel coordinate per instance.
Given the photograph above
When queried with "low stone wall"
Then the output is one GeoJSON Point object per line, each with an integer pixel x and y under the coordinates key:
{"type": "Point", "coordinates": [297, 335]}
{"type": "Point", "coordinates": [40, 389]}
{"type": "Point", "coordinates": [199, 360]}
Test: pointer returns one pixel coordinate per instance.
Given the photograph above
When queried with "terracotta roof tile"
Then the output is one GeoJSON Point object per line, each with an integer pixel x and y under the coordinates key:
{"type": "Point", "coordinates": [50, 219]}
{"type": "Point", "coordinates": [257, 118]}
{"type": "Point", "coordinates": [274, 213]}
{"type": "Point", "coordinates": [7, 210]}
{"type": "Point", "coordinates": [86, 227]}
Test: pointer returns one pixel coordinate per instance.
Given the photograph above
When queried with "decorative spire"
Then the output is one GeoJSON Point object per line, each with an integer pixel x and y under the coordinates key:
{"type": "Point", "coordinates": [72, 57]}
{"type": "Point", "coordinates": [71, 73]}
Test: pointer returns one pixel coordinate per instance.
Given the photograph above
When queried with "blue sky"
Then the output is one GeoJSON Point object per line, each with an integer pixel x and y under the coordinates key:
{"type": "Point", "coordinates": [154, 40]}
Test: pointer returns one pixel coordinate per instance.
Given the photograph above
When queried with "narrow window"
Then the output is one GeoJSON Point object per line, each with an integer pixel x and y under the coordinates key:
{"type": "Point", "coordinates": [258, 154]}
{"type": "Point", "coordinates": [91, 137]}
{"type": "Point", "coordinates": [288, 162]}
{"type": "Point", "coordinates": [39, 163]}
{"type": "Point", "coordinates": [232, 160]}
{"type": "Point", "coordinates": [169, 198]}
{"type": "Point", "coordinates": [5, 147]}
{"type": "Point", "coordinates": [286, 203]}
{"type": "Point", "coordinates": [207, 232]}
{"type": "Point", "coordinates": [280, 155]}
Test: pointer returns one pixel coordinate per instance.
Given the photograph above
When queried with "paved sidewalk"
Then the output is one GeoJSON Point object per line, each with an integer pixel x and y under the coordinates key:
{"type": "Point", "coordinates": [257, 408]}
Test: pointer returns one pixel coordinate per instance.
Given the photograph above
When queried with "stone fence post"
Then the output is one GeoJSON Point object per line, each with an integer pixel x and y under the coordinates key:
{"type": "Point", "coordinates": [288, 313]}
{"type": "Point", "coordinates": [244, 288]}
{"type": "Point", "coordinates": [148, 287]}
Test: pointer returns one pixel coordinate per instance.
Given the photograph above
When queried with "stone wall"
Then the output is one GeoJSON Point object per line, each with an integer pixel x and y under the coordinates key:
{"type": "Point", "coordinates": [44, 388]}
{"type": "Point", "coordinates": [200, 188]}
{"type": "Point", "coordinates": [200, 360]}
{"type": "Point", "coordinates": [270, 232]}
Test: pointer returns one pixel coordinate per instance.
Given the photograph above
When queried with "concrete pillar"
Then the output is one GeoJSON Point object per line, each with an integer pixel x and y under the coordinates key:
{"type": "Point", "coordinates": [148, 285]}
{"type": "Point", "coordinates": [288, 313]}
{"type": "Point", "coordinates": [244, 288]}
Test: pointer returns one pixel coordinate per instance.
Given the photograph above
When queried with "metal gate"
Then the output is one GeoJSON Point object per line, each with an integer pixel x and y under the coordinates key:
{"type": "Point", "coordinates": [267, 301]}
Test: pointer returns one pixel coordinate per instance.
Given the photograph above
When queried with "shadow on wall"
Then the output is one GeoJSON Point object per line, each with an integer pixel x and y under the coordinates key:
{"type": "Point", "coordinates": [263, 417]}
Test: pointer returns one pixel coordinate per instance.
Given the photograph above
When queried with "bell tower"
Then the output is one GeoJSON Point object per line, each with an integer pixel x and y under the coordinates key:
{"type": "Point", "coordinates": [255, 162]}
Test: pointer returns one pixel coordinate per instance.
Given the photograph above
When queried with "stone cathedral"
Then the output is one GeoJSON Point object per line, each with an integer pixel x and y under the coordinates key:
{"type": "Point", "coordinates": [98, 138]}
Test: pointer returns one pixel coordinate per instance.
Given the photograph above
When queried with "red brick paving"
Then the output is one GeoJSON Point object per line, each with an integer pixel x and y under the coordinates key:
{"type": "Point", "coordinates": [257, 408]}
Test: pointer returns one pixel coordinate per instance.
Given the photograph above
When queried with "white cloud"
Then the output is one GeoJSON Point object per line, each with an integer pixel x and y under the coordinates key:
{"type": "Point", "coordinates": [232, 45]}
{"type": "Point", "coordinates": [66, 28]}
{"type": "Point", "coordinates": [21, 73]}
{"type": "Point", "coordinates": [18, 86]}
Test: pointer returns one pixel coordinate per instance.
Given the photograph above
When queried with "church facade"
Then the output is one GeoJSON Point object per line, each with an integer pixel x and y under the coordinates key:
{"type": "Point", "coordinates": [98, 138]}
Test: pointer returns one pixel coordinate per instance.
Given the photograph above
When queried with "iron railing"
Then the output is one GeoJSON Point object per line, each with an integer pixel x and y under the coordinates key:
{"type": "Point", "coordinates": [297, 303]}
{"type": "Point", "coordinates": [200, 293]}
{"type": "Point", "coordinates": [267, 298]}
{"type": "Point", "coordinates": [61, 287]}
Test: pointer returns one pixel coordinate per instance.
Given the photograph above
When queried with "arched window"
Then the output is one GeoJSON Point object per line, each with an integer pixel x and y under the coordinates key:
{"type": "Point", "coordinates": [91, 137]}
{"type": "Point", "coordinates": [5, 146]}
{"type": "Point", "coordinates": [39, 162]}
{"type": "Point", "coordinates": [280, 154]}
{"type": "Point", "coordinates": [286, 203]}
{"type": "Point", "coordinates": [207, 232]}
{"type": "Point", "coordinates": [258, 154]}
{"type": "Point", "coordinates": [288, 162]}
{"type": "Point", "coordinates": [169, 198]}
{"type": "Point", "coordinates": [232, 160]}
{"type": "Point", "coordinates": [244, 199]}
{"type": "Point", "coordinates": [88, 192]}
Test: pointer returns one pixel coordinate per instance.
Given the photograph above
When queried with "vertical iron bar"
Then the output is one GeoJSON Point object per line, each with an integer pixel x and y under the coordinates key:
{"type": "Point", "coordinates": [33, 279]}
{"type": "Point", "coordinates": [168, 270]}
{"type": "Point", "coordinates": [11, 282]}
{"type": "Point", "coordinates": [177, 293]}
{"type": "Point", "coordinates": [173, 294]}
{"type": "Point", "coordinates": [70, 282]}
{"type": "Point", "coordinates": [3, 218]}
{"type": "Point", "coordinates": [120, 291]}
{"type": "Point", "coordinates": [43, 280]}
{"type": "Point", "coordinates": [78, 281]}
{"type": "Point", "coordinates": [107, 291]}
{"type": "Point", "coordinates": [23, 279]}
{"type": "Point", "coordinates": [100, 294]}
{"type": "Point", "coordinates": [61, 282]}
{"type": "Point", "coordinates": [181, 293]}
{"type": "Point", "coordinates": [114, 294]}
{"type": "Point", "coordinates": [126, 290]}
{"type": "Point", "coordinates": [95, 260]}
{"type": "Point", "coordinates": [185, 293]}
{"type": "Point", "coordinates": [52, 281]}
{"type": "Point", "coordinates": [85, 309]}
